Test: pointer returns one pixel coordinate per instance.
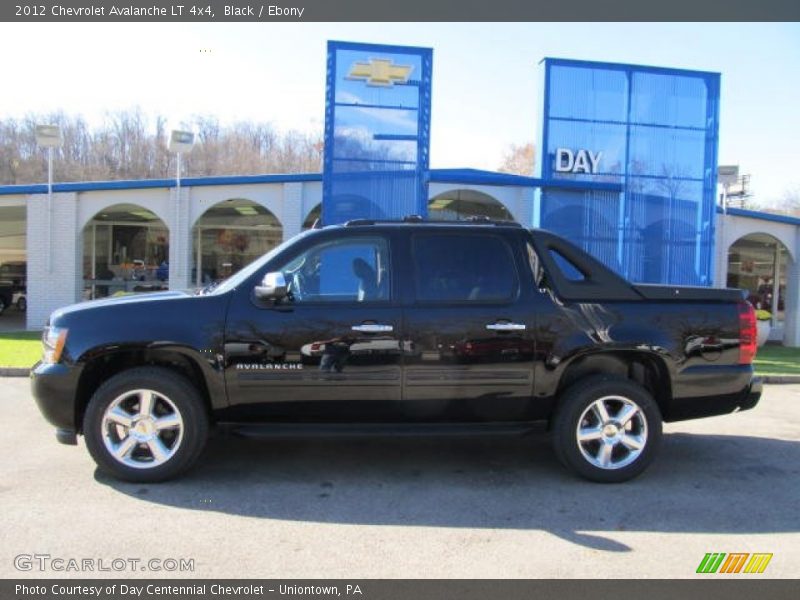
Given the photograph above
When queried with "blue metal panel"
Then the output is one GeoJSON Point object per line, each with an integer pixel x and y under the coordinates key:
{"type": "Point", "coordinates": [754, 214]}
{"type": "Point", "coordinates": [586, 218]}
{"type": "Point", "coordinates": [479, 177]}
{"type": "Point", "coordinates": [141, 184]}
{"type": "Point", "coordinates": [658, 132]}
{"type": "Point", "coordinates": [377, 131]}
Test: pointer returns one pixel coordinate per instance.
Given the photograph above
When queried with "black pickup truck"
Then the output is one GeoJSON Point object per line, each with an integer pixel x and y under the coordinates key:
{"type": "Point", "coordinates": [399, 326]}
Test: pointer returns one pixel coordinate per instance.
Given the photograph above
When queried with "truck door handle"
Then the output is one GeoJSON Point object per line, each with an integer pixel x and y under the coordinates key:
{"type": "Point", "coordinates": [372, 328]}
{"type": "Point", "coordinates": [506, 326]}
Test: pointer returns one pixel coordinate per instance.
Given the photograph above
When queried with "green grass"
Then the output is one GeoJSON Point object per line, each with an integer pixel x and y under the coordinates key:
{"type": "Point", "coordinates": [20, 348]}
{"type": "Point", "coordinates": [24, 348]}
{"type": "Point", "coordinates": [777, 360]}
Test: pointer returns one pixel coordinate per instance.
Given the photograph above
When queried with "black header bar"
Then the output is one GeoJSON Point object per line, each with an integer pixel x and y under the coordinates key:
{"type": "Point", "coordinates": [405, 10]}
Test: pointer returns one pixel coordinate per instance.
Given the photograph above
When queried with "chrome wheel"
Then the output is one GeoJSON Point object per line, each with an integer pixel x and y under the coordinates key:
{"type": "Point", "coordinates": [142, 429]}
{"type": "Point", "coordinates": [612, 432]}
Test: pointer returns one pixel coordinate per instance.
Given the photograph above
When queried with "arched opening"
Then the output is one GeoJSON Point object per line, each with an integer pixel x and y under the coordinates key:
{"type": "Point", "coordinates": [755, 263]}
{"type": "Point", "coordinates": [13, 262]}
{"type": "Point", "coordinates": [125, 249]}
{"type": "Point", "coordinates": [230, 235]}
{"type": "Point", "coordinates": [458, 205]}
{"type": "Point", "coordinates": [311, 218]}
{"type": "Point", "coordinates": [668, 253]}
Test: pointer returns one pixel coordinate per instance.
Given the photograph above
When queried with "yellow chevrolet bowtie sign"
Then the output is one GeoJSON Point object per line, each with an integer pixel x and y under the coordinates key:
{"type": "Point", "coordinates": [379, 72]}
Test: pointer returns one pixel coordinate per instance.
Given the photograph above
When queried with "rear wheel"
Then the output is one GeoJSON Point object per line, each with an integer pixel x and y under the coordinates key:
{"type": "Point", "coordinates": [607, 429]}
{"type": "Point", "coordinates": [22, 304]}
{"type": "Point", "coordinates": [146, 424]}
{"type": "Point", "coordinates": [3, 305]}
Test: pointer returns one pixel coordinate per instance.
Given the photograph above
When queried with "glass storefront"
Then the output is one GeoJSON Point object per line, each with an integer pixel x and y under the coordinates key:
{"type": "Point", "coordinates": [125, 249]}
{"type": "Point", "coordinates": [755, 263]}
{"type": "Point", "coordinates": [229, 236]}
{"type": "Point", "coordinates": [316, 213]}
{"type": "Point", "coordinates": [459, 205]}
{"type": "Point", "coordinates": [13, 257]}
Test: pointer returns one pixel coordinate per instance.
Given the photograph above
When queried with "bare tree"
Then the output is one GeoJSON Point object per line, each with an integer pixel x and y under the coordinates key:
{"type": "Point", "coordinates": [790, 201]}
{"type": "Point", "coordinates": [519, 160]}
{"type": "Point", "coordinates": [128, 145]}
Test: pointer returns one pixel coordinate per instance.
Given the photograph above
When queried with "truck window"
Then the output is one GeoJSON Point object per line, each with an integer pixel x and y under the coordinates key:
{"type": "Point", "coordinates": [349, 270]}
{"type": "Point", "coordinates": [464, 268]}
{"type": "Point", "coordinates": [567, 267]}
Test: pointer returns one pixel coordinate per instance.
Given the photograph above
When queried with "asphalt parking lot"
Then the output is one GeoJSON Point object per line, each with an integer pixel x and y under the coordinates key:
{"type": "Point", "coordinates": [498, 507]}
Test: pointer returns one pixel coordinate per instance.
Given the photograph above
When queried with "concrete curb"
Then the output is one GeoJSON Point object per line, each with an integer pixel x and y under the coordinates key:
{"type": "Point", "coordinates": [14, 372]}
{"type": "Point", "coordinates": [776, 379]}
{"type": "Point", "coordinates": [780, 378]}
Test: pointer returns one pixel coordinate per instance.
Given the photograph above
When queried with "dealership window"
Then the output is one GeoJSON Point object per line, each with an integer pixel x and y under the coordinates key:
{"type": "Point", "coordinates": [13, 256]}
{"type": "Point", "coordinates": [311, 218]}
{"type": "Point", "coordinates": [230, 235]}
{"type": "Point", "coordinates": [459, 205]}
{"type": "Point", "coordinates": [125, 249]}
{"type": "Point", "coordinates": [759, 263]}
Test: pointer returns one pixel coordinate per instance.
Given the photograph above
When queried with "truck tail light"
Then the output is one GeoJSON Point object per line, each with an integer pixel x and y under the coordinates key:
{"type": "Point", "coordinates": [747, 333]}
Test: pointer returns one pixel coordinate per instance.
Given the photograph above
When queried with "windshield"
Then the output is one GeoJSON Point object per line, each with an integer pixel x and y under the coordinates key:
{"type": "Point", "coordinates": [240, 276]}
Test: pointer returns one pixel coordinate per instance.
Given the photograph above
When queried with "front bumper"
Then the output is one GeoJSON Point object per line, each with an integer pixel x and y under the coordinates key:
{"type": "Point", "coordinates": [54, 387]}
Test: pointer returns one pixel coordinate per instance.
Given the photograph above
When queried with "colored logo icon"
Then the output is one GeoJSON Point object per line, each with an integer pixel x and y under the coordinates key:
{"type": "Point", "coordinates": [379, 72]}
{"type": "Point", "coordinates": [734, 562]}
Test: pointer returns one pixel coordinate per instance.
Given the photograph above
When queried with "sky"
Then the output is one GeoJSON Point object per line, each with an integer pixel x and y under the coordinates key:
{"type": "Point", "coordinates": [486, 92]}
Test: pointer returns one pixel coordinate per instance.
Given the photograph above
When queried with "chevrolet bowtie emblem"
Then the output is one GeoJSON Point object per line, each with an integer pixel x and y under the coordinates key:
{"type": "Point", "coordinates": [379, 72]}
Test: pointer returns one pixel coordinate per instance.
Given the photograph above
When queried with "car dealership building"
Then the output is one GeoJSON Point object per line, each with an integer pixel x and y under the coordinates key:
{"type": "Point", "coordinates": [627, 169]}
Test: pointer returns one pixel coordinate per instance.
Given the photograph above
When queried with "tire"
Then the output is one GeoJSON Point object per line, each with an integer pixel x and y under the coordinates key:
{"type": "Point", "coordinates": [607, 452]}
{"type": "Point", "coordinates": [3, 305]}
{"type": "Point", "coordinates": [154, 442]}
{"type": "Point", "coordinates": [22, 304]}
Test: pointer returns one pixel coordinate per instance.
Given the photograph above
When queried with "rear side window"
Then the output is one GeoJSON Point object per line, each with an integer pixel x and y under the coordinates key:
{"type": "Point", "coordinates": [463, 268]}
{"type": "Point", "coordinates": [567, 267]}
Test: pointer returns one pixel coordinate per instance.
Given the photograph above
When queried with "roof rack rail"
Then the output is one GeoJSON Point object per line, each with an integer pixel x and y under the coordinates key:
{"type": "Point", "coordinates": [474, 220]}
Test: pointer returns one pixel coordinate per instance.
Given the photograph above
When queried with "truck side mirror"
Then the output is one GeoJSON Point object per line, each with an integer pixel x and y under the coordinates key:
{"type": "Point", "coordinates": [273, 287]}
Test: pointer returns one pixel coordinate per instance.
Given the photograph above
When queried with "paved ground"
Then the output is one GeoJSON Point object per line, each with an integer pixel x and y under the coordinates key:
{"type": "Point", "coordinates": [491, 507]}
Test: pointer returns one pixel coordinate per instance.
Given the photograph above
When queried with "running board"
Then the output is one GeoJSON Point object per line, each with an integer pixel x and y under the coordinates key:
{"type": "Point", "coordinates": [379, 429]}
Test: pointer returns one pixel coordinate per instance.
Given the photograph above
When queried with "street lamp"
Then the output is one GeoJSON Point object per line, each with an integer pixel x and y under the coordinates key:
{"type": "Point", "coordinates": [180, 142]}
{"type": "Point", "coordinates": [49, 136]}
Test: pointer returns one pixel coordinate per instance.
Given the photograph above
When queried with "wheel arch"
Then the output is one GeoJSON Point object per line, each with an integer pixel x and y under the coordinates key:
{"type": "Point", "coordinates": [648, 369]}
{"type": "Point", "coordinates": [100, 364]}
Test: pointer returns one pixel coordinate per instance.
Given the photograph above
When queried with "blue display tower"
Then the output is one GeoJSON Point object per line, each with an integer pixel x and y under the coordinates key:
{"type": "Point", "coordinates": [651, 131]}
{"type": "Point", "coordinates": [377, 131]}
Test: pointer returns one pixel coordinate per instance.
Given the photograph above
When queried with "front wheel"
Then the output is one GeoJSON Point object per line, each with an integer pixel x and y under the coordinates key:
{"type": "Point", "coordinates": [145, 425]}
{"type": "Point", "coordinates": [607, 429]}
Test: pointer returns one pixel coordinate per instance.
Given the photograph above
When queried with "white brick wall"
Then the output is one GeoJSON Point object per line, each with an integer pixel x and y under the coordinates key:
{"type": "Point", "coordinates": [292, 209]}
{"type": "Point", "coordinates": [57, 284]}
{"type": "Point", "coordinates": [180, 243]}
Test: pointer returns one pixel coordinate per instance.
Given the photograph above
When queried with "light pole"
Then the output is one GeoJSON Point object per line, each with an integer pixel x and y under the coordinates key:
{"type": "Point", "coordinates": [49, 136]}
{"type": "Point", "coordinates": [179, 142]}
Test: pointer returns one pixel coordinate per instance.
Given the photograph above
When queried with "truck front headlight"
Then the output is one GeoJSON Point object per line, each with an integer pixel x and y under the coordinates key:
{"type": "Point", "coordinates": [53, 340]}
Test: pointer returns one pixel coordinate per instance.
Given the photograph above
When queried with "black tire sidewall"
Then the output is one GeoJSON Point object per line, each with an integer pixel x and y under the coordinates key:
{"type": "Point", "coordinates": [570, 408]}
{"type": "Point", "coordinates": [175, 387]}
